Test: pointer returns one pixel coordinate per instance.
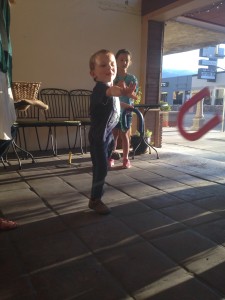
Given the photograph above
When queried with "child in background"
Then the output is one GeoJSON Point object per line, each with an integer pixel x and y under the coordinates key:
{"type": "Point", "coordinates": [123, 60]}
{"type": "Point", "coordinates": [105, 113]}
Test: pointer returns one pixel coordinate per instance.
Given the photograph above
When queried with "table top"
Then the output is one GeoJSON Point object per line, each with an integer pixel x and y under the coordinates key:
{"type": "Point", "coordinates": [147, 106]}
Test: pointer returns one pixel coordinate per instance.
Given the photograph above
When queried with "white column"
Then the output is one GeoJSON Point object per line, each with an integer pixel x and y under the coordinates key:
{"type": "Point", "coordinates": [198, 119]}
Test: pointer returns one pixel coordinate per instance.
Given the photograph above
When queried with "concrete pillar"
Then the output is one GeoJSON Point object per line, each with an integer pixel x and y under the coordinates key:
{"type": "Point", "coordinates": [155, 33]}
{"type": "Point", "coordinates": [198, 119]}
{"type": "Point", "coordinates": [213, 96]}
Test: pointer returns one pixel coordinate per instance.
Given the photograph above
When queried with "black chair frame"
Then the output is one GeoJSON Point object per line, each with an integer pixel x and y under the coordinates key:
{"type": "Point", "coordinates": [80, 105]}
{"type": "Point", "coordinates": [58, 115]}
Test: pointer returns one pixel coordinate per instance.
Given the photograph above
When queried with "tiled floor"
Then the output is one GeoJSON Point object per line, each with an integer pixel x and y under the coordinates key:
{"type": "Point", "coordinates": [164, 239]}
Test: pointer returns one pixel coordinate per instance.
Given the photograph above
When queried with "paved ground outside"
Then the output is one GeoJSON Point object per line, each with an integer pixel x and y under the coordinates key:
{"type": "Point", "coordinates": [164, 239]}
{"type": "Point", "coordinates": [188, 120]}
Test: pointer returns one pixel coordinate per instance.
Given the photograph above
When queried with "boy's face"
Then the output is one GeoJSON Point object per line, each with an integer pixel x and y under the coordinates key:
{"type": "Point", "coordinates": [123, 61]}
{"type": "Point", "coordinates": [105, 68]}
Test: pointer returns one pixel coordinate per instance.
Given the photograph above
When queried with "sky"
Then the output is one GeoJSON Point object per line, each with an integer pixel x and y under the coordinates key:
{"type": "Point", "coordinates": [187, 61]}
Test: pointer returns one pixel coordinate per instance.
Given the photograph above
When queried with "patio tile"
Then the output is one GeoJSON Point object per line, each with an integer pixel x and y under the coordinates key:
{"type": "Point", "coordinates": [118, 179]}
{"type": "Point", "coordinates": [151, 224]}
{"type": "Point", "coordinates": [68, 203]}
{"type": "Point", "coordinates": [14, 284]}
{"type": "Point", "coordinates": [127, 206]}
{"type": "Point", "coordinates": [24, 206]}
{"type": "Point", "coordinates": [213, 188]}
{"type": "Point", "coordinates": [177, 284]}
{"type": "Point", "coordinates": [53, 186]}
{"type": "Point", "coordinates": [136, 265]}
{"type": "Point", "coordinates": [144, 174]}
{"type": "Point", "coordinates": [112, 193]}
{"type": "Point", "coordinates": [13, 197]}
{"type": "Point", "coordinates": [43, 251]}
{"type": "Point", "coordinates": [215, 204]}
{"type": "Point", "coordinates": [40, 228]}
{"type": "Point", "coordinates": [82, 278]}
{"type": "Point", "coordinates": [81, 185]}
{"type": "Point", "coordinates": [13, 182]}
{"type": "Point", "coordinates": [214, 230]}
{"type": "Point", "coordinates": [184, 246]}
{"type": "Point", "coordinates": [166, 183]}
{"type": "Point", "coordinates": [188, 193]}
{"type": "Point", "coordinates": [82, 218]}
{"type": "Point", "coordinates": [17, 288]}
{"type": "Point", "coordinates": [136, 189]}
{"type": "Point", "coordinates": [108, 234]}
{"type": "Point", "coordinates": [189, 214]}
{"type": "Point", "coordinates": [160, 200]}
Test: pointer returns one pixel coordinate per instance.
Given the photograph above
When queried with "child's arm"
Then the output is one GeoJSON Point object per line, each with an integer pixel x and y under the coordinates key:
{"type": "Point", "coordinates": [126, 105]}
{"type": "Point", "coordinates": [122, 90]}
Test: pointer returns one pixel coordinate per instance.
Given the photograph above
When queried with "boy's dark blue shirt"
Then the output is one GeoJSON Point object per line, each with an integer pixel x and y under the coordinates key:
{"type": "Point", "coordinates": [104, 111]}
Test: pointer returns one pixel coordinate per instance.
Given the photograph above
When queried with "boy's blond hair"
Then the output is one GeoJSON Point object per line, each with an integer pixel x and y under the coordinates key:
{"type": "Point", "coordinates": [92, 60]}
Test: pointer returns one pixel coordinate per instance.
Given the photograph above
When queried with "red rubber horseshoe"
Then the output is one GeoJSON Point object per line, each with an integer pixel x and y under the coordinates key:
{"type": "Point", "coordinates": [193, 136]}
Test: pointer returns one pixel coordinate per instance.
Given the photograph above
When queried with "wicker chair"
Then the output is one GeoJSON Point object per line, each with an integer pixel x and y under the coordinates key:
{"type": "Point", "coordinates": [26, 103]}
{"type": "Point", "coordinates": [25, 95]}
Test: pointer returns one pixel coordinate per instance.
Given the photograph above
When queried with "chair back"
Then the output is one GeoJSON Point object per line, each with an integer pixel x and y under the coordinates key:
{"type": "Point", "coordinates": [80, 103]}
{"type": "Point", "coordinates": [32, 114]}
{"type": "Point", "coordinates": [58, 103]}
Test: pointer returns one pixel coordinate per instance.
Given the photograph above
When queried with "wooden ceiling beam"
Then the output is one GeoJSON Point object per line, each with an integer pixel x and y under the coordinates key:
{"type": "Point", "coordinates": [172, 8]}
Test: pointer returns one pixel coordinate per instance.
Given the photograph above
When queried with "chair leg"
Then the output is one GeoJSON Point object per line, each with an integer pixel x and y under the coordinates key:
{"type": "Point", "coordinates": [2, 160]}
{"type": "Point", "coordinates": [24, 138]}
{"type": "Point", "coordinates": [17, 156]}
{"type": "Point", "coordinates": [54, 142]}
{"type": "Point", "coordinates": [15, 146]}
{"type": "Point", "coordinates": [85, 139]}
{"type": "Point", "coordinates": [68, 138]}
{"type": "Point", "coordinates": [81, 141]}
{"type": "Point", "coordinates": [39, 144]}
{"type": "Point", "coordinates": [51, 134]}
{"type": "Point", "coordinates": [18, 137]}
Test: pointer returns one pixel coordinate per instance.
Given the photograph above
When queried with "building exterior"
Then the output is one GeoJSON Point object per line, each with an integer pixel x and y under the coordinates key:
{"type": "Point", "coordinates": [177, 90]}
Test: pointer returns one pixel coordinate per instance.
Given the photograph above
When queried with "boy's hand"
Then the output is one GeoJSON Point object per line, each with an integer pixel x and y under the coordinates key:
{"type": "Point", "coordinates": [128, 91]}
{"type": "Point", "coordinates": [126, 105]}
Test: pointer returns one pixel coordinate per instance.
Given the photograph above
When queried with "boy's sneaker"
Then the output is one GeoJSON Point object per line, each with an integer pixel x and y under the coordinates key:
{"type": "Point", "coordinates": [126, 164]}
{"type": "Point", "coordinates": [99, 207]}
{"type": "Point", "coordinates": [110, 162]}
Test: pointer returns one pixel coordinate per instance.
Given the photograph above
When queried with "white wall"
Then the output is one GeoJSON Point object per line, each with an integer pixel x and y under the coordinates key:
{"type": "Point", "coordinates": [54, 39]}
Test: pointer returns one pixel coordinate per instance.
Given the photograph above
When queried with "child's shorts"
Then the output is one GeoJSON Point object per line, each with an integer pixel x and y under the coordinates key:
{"type": "Point", "coordinates": [128, 120]}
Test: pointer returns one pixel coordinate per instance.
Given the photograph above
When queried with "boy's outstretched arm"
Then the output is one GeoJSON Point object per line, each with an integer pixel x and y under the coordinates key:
{"type": "Point", "coordinates": [124, 90]}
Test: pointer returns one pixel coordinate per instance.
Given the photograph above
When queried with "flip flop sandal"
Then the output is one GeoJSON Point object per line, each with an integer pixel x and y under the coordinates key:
{"type": "Point", "coordinates": [7, 225]}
